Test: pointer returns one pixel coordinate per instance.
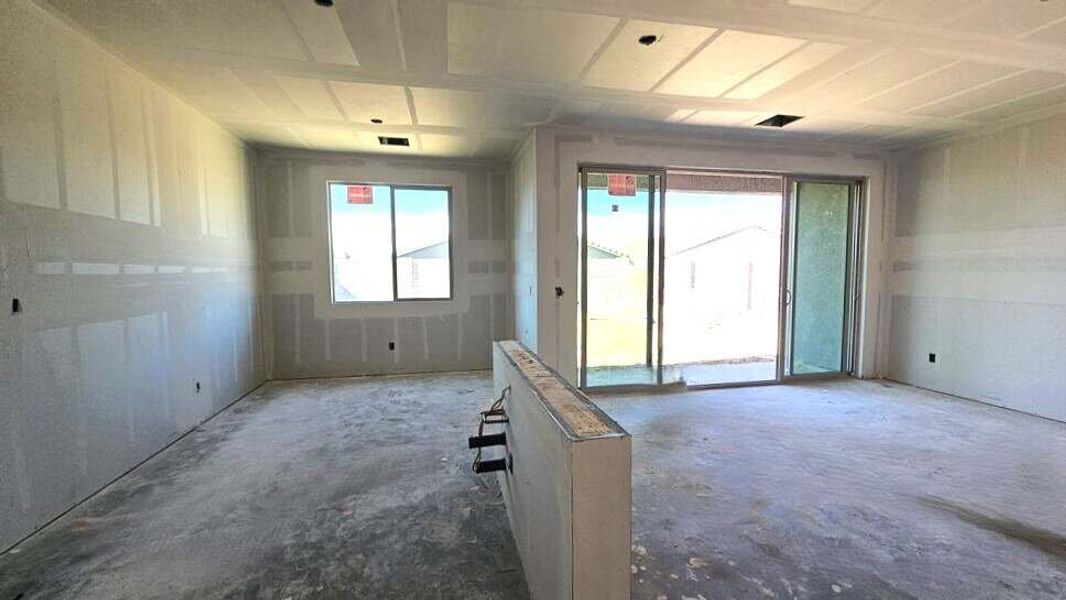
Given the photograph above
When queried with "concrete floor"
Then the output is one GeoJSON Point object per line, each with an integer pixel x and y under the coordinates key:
{"type": "Point", "coordinates": [360, 488]}
{"type": "Point", "coordinates": [345, 488]}
{"type": "Point", "coordinates": [848, 489]}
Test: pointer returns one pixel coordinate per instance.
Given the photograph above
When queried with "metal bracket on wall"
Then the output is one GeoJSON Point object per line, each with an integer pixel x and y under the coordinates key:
{"type": "Point", "coordinates": [495, 415]}
{"type": "Point", "coordinates": [484, 441]}
{"type": "Point", "coordinates": [489, 466]}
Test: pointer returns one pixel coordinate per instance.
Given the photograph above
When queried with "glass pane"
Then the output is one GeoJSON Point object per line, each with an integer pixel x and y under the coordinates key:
{"type": "Point", "coordinates": [722, 289]}
{"type": "Point", "coordinates": [361, 242]}
{"type": "Point", "coordinates": [821, 248]}
{"type": "Point", "coordinates": [423, 247]}
{"type": "Point", "coordinates": [616, 280]}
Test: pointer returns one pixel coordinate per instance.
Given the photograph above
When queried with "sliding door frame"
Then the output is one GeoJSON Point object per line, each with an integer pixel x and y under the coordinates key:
{"type": "Point", "coordinates": [852, 276]}
{"type": "Point", "coordinates": [856, 234]}
{"type": "Point", "coordinates": [654, 269]}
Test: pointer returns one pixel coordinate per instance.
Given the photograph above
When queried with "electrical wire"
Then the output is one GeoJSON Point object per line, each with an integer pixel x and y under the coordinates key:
{"type": "Point", "coordinates": [492, 416]}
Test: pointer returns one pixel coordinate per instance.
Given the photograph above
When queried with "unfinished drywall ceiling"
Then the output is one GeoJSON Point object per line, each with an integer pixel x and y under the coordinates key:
{"type": "Point", "coordinates": [466, 78]}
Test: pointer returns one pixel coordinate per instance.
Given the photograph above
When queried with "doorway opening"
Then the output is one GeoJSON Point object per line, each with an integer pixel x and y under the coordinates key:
{"type": "Point", "coordinates": [708, 278]}
{"type": "Point", "coordinates": [721, 320]}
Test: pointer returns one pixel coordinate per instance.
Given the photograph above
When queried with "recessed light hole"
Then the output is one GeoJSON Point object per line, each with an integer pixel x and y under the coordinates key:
{"type": "Point", "coordinates": [647, 40]}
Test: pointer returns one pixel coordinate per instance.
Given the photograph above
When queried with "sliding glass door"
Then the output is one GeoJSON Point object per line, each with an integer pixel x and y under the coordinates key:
{"type": "Point", "coordinates": [708, 279]}
{"type": "Point", "coordinates": [822, 276]}
{"type": "Point", "coordinates": [619, 295]}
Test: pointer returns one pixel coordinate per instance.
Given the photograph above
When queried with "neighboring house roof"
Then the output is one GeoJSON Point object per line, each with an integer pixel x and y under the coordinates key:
{"type": "Point", "coordinates": [719, 238]}
{"type": "Point", "coordinates": [598, 251]}
{"type": "Point", "coordinates": [438, 250]}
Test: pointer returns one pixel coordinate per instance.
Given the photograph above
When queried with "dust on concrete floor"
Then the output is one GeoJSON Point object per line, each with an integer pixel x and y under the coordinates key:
{"type": "Point", "coordinates": [359, 488]}
{"type": "Point", "coordinates": [846, 489]}
{"type": "Point", "coordinates": [345, 488]}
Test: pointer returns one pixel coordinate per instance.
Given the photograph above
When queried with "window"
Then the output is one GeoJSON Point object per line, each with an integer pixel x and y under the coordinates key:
{"type": "Point", "coordinates": [390, 242]}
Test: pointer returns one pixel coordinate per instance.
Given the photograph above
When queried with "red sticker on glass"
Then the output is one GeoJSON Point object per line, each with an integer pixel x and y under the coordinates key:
{"type": "Point", "coordinates": [620, 184]}
{"type": "Point", "coordinates": [360, 194]}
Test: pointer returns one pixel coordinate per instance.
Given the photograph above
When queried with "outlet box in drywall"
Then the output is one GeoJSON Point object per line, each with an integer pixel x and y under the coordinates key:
{"type": "Point", "coordinates": [392, 345]}
{"type": "Point", "coordinates": [932, 357]}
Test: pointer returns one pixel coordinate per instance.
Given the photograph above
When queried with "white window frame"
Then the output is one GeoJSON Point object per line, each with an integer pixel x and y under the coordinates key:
{"type": "Point", "coordinates": [395, 258]}
{"type": "Point", "coordinates": [318, 251]}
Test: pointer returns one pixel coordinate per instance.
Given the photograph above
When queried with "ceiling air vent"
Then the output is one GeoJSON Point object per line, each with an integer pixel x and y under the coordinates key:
{"type": "Point", "coordinates": [393, 141]}
{"type": "Point", "coordinates": [778, 121]}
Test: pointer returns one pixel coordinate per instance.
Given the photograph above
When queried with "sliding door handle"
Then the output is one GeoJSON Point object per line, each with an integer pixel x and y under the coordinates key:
{"type": "Point", "coordinates": [788, 298]}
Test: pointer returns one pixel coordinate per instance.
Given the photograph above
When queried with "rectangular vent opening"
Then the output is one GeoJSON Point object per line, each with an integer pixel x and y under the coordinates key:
{"type": "Point", "coordinates": [778, 121]}
{"type": "Point", "coordinates": [393, 141]}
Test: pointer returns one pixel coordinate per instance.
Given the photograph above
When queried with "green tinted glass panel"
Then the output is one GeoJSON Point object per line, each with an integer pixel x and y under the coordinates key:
{"type": "Point", "coordinates": [819, 287]}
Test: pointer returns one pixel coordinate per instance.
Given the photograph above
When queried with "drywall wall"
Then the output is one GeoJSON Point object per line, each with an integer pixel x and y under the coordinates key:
{"type": "Point", "coordinates": [568, 495]}
{"type": "Point", "coordinates": [310, 336]}
{"type": "Point", "coordinates": [126, 234]}
{"type": "Point", "coordinates": [978, 274]}
{"type": "Point", "coordinates": [524, 242]}
{"type": "Point", "coordinates": [561, 151]}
